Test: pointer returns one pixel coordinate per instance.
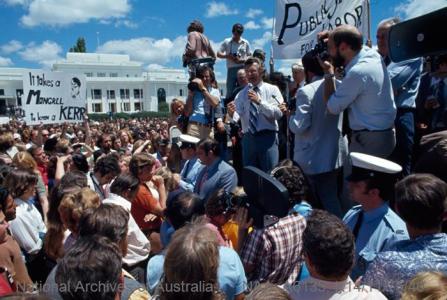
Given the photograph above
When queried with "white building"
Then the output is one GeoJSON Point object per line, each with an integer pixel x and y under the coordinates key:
{"type": "Point", "coordinates": [114, 83]}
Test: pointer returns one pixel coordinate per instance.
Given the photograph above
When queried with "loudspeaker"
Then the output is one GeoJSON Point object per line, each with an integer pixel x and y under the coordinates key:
{"type": "Point", "coordinates": [421, 36]}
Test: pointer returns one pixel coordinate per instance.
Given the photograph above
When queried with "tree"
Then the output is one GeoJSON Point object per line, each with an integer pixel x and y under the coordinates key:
{"type": "Point", "coordinates": [79, 47]}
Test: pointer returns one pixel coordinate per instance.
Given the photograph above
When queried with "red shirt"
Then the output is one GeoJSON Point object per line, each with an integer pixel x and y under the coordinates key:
{"type": "Point", "coordinates": [143, 204]}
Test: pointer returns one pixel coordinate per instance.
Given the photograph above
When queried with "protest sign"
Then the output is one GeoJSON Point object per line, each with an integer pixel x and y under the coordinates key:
{"type": "Point", "coordinates": [53, 97]}
{"type": "Point", "coordinates": [297, 23]}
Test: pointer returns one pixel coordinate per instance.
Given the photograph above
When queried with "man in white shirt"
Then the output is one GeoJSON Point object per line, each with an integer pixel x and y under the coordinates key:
{"type": "Point", "coordinates": [235, 50]}
{"type": "Point", "coordinates": [259, 106]}
{"type": "Point", "coordinates": [122, 192]}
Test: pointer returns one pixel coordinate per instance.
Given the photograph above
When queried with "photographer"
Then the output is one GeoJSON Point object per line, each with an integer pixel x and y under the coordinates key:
{"type": "Point", "coordinates": [365, 89]}
{"type": "Point", "coordinates": [200, 104]}
{"type": "Point", "coordinates": [198, 45]}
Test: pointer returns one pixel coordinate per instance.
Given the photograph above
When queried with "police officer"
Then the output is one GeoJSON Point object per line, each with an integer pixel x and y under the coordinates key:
{"type": "Point", "coordinates": [373, 223]}
{"type": "Point", "coordinates": [192, 167]}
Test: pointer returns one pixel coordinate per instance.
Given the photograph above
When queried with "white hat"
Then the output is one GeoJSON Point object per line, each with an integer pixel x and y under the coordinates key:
{"type": "Point", "coordinates": [187, 140]}
{"type": "Point", "coordinates": [17, 136]}
{"type": "Point", "coordinates": [366, 166]}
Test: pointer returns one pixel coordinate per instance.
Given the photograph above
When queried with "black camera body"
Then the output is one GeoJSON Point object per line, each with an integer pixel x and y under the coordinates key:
{"type": "Point", "coordinates": [193, 86]}
{"type": "Point", "coordinates": [321, 50]}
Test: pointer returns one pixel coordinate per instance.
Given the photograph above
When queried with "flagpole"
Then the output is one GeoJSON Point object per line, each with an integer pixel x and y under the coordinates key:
{"type": "Point", "coordinates": [272, 62]}
{"type": "Point", "coordinates": [368, 9]}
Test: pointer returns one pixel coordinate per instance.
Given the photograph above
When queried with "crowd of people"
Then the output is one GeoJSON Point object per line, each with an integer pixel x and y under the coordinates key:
{"type": "Point", "coordinates": [129, 209]}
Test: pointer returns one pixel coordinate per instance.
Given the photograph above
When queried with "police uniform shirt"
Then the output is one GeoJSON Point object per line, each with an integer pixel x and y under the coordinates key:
{"type": "Point", "coordinates": [377, 228]}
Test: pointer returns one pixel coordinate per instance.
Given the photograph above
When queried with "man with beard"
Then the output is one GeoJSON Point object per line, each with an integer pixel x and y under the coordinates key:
{"type": "Point", "coordinates": [365, 90]}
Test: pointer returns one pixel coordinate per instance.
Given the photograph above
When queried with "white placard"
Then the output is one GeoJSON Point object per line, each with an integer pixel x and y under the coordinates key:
{"type": "Point", "coordinates": [297, 23]}
{"type": "Point", "coordinates": [53, 97]}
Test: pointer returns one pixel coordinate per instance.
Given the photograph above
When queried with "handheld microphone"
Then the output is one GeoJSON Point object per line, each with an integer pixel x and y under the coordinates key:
{"type": "Point", "coordinates": [276, 99]}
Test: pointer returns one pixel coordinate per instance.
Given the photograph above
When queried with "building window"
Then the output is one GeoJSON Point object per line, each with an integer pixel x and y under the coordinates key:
{"type": "Point", "coordinates": [138, 106]}
{"type": "Point", "coordinates": [124, 93]}
{"type": "Point", "coordinates": [19, 94]}
{"type": "Point", "coordinates": [110, 94]}
{"type": "Point", "coordinates": [112, 107]}
{"type": "Point", "coordinates": [2, 92]}
{"type": "Point", "coordinates": [221, 91]}
{"type": "Point", "coordinates": [181, 92]}
{"type": "Point", "coordinates": [138, 93]}
{"type": "Point", "coordinates": [113, 74]}
{"type": "Point", "coordinates": [101, 74]}
{"type": "Point", "coordinates": [161, 95]}
{"type": "Point", "coordinates": [126, 106]}
{"type": "Point", "coordinates": [89, 74]}
{"type": "Point", "coordinates": [96, 94]}
{"type": "Point", "coordinates": [97, 107]}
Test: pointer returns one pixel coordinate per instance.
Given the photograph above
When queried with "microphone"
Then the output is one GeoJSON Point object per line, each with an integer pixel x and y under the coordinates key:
{"type": "Point", "coordinates": [276, 99]}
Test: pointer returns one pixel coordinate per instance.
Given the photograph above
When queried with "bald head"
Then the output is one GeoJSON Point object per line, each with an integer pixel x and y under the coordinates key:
{"type": "Point", "coordinates": [382, 34]}
{"type": "Point", "coordinates": [347, 34]}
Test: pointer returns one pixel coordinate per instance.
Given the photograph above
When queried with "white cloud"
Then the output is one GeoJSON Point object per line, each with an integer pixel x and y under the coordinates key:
{"type": "Point", "coordinates": [5, 62]}
{"type": "Point", "coordinates": [154, 67]}
{"type": "Point", "coordinates": [11, 47]}
{"type": "Point", "coordinates": [253, 13]}
{"type": "Point", "coordinates": [126, 23]}
{"type": "Point", "coordinates": [415, 8]}
{"type": "Point", "coordinates": [45, 54]}
{"type": "Point", "coordinates": [261, 42]}
{"type": "Point", "coordinates": [215, 9]}
{"type": "Point", "coordinates": [251, 25]}
{"type": "Point", "coordinates": [65, 12]}
{"type": "Point", "coordinates": [267, 23]}
{"type": "Point", "coordinates": [146, 49]}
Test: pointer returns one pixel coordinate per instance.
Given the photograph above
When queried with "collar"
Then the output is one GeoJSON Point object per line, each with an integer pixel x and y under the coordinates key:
{"type": "Point", "coordinates": [330, 285]}
{"type": "Point", "coordinates": [376, 213]}
{"type": "Point", "coordinates": [118, 199]}
{"type": "Point", "coordinates": [355, 59]}
{"type": "Point", "coordinates": [214, 165]}
{"type": "Point", "coordinates": [21, 202]}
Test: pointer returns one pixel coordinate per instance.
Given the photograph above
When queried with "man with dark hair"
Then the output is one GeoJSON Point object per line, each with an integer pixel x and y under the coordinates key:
{"type": "Point", "coordinates": [106, 168]}
{"type": "Point", "coordinates": [405, 78]}
{"type": "Point", "coordinates": [75, 88]}
{"type": "Point", "coordinates": [104, 143]}
{"type": "Point", "coordinates": [373, 222]}
{"type": "Point", "coordinates": [235, 50]}
{"type": "Point", "coordinates": [90, 270]}
{"type": "Point", "coordinates": [122, 193]}
{"type": "Point", "coordinates": [328, 250]}
{"type": "Point", "coordinates": [320, 148]}
{"type": "Point", "coordinates": [198, 45]}
{"type": "Point", "coordinates": [217, 173]}
{"type": "Point", "coordinates": [201, 103]}
{"type": "Point", "coordinates": [259, 106]}
{"type": "Point", "coordinates": [421, 201]}
{"type": "Point", "coordinates": [365, 89]}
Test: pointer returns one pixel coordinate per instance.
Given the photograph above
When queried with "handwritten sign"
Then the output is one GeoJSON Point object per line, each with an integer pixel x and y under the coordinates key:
{"type": "Point", "coordinates": [297, 23]}
{"type": "Point", "coordinates": [53, 97]}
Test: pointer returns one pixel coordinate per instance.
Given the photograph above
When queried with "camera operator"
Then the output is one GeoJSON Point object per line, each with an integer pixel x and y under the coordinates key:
{"type": "Point", "coordinates": [200, 104]}
{"type": "Point", "coordinates": [366, 90]}
{"type": "Point", "coordinates": [198, 45]}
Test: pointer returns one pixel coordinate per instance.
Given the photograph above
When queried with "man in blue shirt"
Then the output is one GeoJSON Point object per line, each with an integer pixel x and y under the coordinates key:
{"type": "Point", "coordinates": [365, 90]}
{"type": "Point", "coordinates": [372, 222]}
{"type": "Point", "coordinates": [420, 201]}
{"type": "Point", "coordinates": [200, 104]}
{"type": "Point", "coordinates": [193, 166]}
{"type": "Point", "coordinates": [405, 78]}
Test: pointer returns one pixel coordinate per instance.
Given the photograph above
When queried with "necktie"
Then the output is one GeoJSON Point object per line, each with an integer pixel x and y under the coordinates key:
{"type": "Point", "coordinates": [356, 229]}
{"type": "Point", "coordinates": [185, 174]}
{"type": "Point", "coordinates": [204, 178]}
{"type": "Point", "coordinates": [253, 120]}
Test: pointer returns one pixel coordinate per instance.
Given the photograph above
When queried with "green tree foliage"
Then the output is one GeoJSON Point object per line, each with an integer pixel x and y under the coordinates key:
{"type": "Point", "coordinates": [79, 47]}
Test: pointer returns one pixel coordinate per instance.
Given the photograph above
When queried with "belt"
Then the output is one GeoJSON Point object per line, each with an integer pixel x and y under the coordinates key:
{"type": "Point", "coordinates": [199, 124]}
{"type": "Point", "coordinates": [367, 130]}
{"type": "Point", "coordinates": [261, 132]}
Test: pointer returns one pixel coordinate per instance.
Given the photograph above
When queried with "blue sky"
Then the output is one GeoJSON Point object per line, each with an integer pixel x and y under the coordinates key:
{"type": "Point", "coordinates": [36, 33]}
